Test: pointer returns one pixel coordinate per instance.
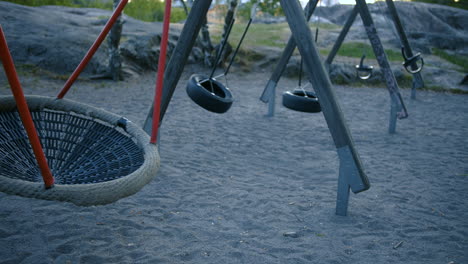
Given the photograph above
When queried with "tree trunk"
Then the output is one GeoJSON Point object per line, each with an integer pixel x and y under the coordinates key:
{"type": "Point", "coordinates": [115, 62]}
{"type": "Point", "coordinates": [227, 21]}
{"type": "Point", "coordinates": [205, 42]}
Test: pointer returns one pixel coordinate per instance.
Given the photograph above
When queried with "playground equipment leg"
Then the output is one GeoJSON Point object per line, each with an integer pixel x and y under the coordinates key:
{"type": "Point", "coordinates": [348, 176]}
{"type": "Point", "coordinates": [179, 57]}
{"type": "Point", "coordinates": [390, 80]}
{"type": "Point", "coordinates": [356, 178]}
{"type": "Point", "coordinates": [268, 95]}
{"type": "Point", "coordinates": [417, 78]}
{"type": "Point", "coordinates": [271, 86]}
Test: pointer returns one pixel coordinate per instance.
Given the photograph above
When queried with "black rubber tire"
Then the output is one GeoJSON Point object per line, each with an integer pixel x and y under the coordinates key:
{"type": "Point", "coordinates": [296, 100]}
{"type": "Point", "coordinates": [218, 102]}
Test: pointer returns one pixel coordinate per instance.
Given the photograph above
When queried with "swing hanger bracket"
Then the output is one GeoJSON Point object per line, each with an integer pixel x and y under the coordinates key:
{"type": "Point", "coordinates": [411, 63]}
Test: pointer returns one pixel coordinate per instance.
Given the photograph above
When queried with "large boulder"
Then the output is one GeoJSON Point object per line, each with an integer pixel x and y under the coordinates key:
{"type": "Point", "coordinates": [426, 25]}
{"type": "Point", "coordinates": [56, 38]}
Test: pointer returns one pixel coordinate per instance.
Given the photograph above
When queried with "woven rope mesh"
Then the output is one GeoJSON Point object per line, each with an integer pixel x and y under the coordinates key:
{"type": "Point", "coordinates": [79, 149]}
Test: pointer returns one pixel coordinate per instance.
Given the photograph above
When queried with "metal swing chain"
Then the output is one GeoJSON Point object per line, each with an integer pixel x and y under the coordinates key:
{"type": "Point", "coordinates": [232, 58]}
{"type": "Point", "coordinates": [403, 53]}
{"type": "Point", "coordinates": [301, 63]}
{"type": "Point", "coordinates": [218, 57]}
{"type": "Point", "coordinates": [300, 79]}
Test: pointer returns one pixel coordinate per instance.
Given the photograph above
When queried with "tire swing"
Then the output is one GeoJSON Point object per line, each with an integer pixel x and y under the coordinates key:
{"type": "Point", "coordinates": [299, 99]}
{"type": "Point", "coordinates": [85, 155]}
{"type": "Point", "coordinates": [209, 93]}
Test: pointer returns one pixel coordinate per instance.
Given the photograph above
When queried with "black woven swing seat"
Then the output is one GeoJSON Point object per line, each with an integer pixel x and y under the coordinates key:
{"type": "Point", "coordinates": [93, 156]}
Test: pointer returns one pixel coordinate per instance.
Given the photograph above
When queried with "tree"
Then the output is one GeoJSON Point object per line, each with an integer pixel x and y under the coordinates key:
{"type": "Point", "coordinates": [272, 7]}
{"type": "Point", "coordinates": [115, 62]}
{"type": "Point", "coordinates": [227, 22]}
{"type": "Point", "coordinates": [114, 68]}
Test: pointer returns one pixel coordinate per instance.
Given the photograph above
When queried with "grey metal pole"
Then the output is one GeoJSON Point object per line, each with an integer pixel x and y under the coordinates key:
{"type": "Point", "coordinates": [270, 90]}
{"type": "Point", "coordinates": [417, 78]}
{"type": "Point", "coordinates": [398, 108]}
{"type": "Point", "coordinates": [341, 37]}
{"type": "Point", "coordinates": [353, 175]}
{"type": "Point", "coordinates": [179, 56]}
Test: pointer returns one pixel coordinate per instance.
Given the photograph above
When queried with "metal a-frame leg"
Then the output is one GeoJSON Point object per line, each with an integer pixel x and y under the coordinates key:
{"type": "Point", "coordinates": [341, 37]}
{"type": "Point", "coordinates": [398, 108]}
{"type": "Point", "coordinates": [417, 78]}
{"type": "Point", "coordinates": [179, 57]}
{"type": "Point", "coordinates": [269, 93]}
{"type": "Point", "coordinates": [351, 171]}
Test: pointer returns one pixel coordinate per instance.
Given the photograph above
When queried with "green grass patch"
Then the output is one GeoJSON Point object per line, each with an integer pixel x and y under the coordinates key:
{"type": "Point", "coordinates": [356, 49]}
{"type": "Point", "coordinates": [272, 35]}
{"type": "Point", "coordinates": [145, 10]}
{"type": "Point", "coordinates": [151, 11]}
{"type": "Point", "coordinates": [323, 26]}
{"type": "Point", "coordinates": [33, 70]}
{"type": "Point", "coordinates": [458, 60]}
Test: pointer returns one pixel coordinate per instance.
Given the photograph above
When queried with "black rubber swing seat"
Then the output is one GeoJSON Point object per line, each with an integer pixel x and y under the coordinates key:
{"type": "Point", "coordinates": [411, 63]}
{"type": "Point", "coordinates": [209, 94]}
{"type": "Point", "coordinates": [301, 101]}
{"type": "Point", "coordinates": [96, 157]}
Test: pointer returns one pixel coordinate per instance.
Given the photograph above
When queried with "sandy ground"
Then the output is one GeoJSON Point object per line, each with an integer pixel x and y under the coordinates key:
{"type": "Point", "coordinates": [231, 186]}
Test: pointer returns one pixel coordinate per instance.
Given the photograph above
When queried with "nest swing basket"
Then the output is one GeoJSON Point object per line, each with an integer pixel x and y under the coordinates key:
{"type": "Point", "coordinates": [95, 157]}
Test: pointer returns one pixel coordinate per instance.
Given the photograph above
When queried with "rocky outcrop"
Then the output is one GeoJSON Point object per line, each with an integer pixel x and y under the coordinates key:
{"type": "Point", "coordinates": [426, 25]}
{"type": "Point", "coordinates": [56, 38]}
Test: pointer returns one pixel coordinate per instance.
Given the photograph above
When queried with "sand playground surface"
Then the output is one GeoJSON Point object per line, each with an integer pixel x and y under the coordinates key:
{"type": "Point", "coordinates": [245, 188]}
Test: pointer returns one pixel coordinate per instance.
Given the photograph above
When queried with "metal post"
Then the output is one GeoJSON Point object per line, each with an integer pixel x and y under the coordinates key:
{"type": "Point", "coordinates": [268, 95]}
{"type": "Point", "coordinates": [354, 177]}
{"type": "Point", "coordinates": [179, 57]}
{"type": "Point", "coordinates": [160, 74]}
{"type": "Point", "coordinates": [341, 37]}
{"type": "Point", "coordinates": [417, 78]}
{"type": "Point", "coordinates": [379, 52]}
{"type": "Point", "coordinates": [23, 110]}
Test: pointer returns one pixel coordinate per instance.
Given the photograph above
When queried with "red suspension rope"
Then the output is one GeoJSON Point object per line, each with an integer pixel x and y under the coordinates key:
{"type": "Point", "coordinates": [93, 49]}
{"type": "Point", "coordinates": [23, 110]}
{"type": "Point", "coordinates": [160, 74]}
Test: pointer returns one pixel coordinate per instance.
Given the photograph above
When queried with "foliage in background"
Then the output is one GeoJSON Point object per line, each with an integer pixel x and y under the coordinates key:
{"type": "Point", "coordinates": [243, 11]}
{"type": "Point", "coordinates": [69, 3]}
{"type": "Point", "coordinates": [271, 7]}
{"type": "Point", "coordinates": [145, 10]}
{"type": "Point", "coordinates": [151, 11]}
{"type": "Point", "coordinates": [463, 4]}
